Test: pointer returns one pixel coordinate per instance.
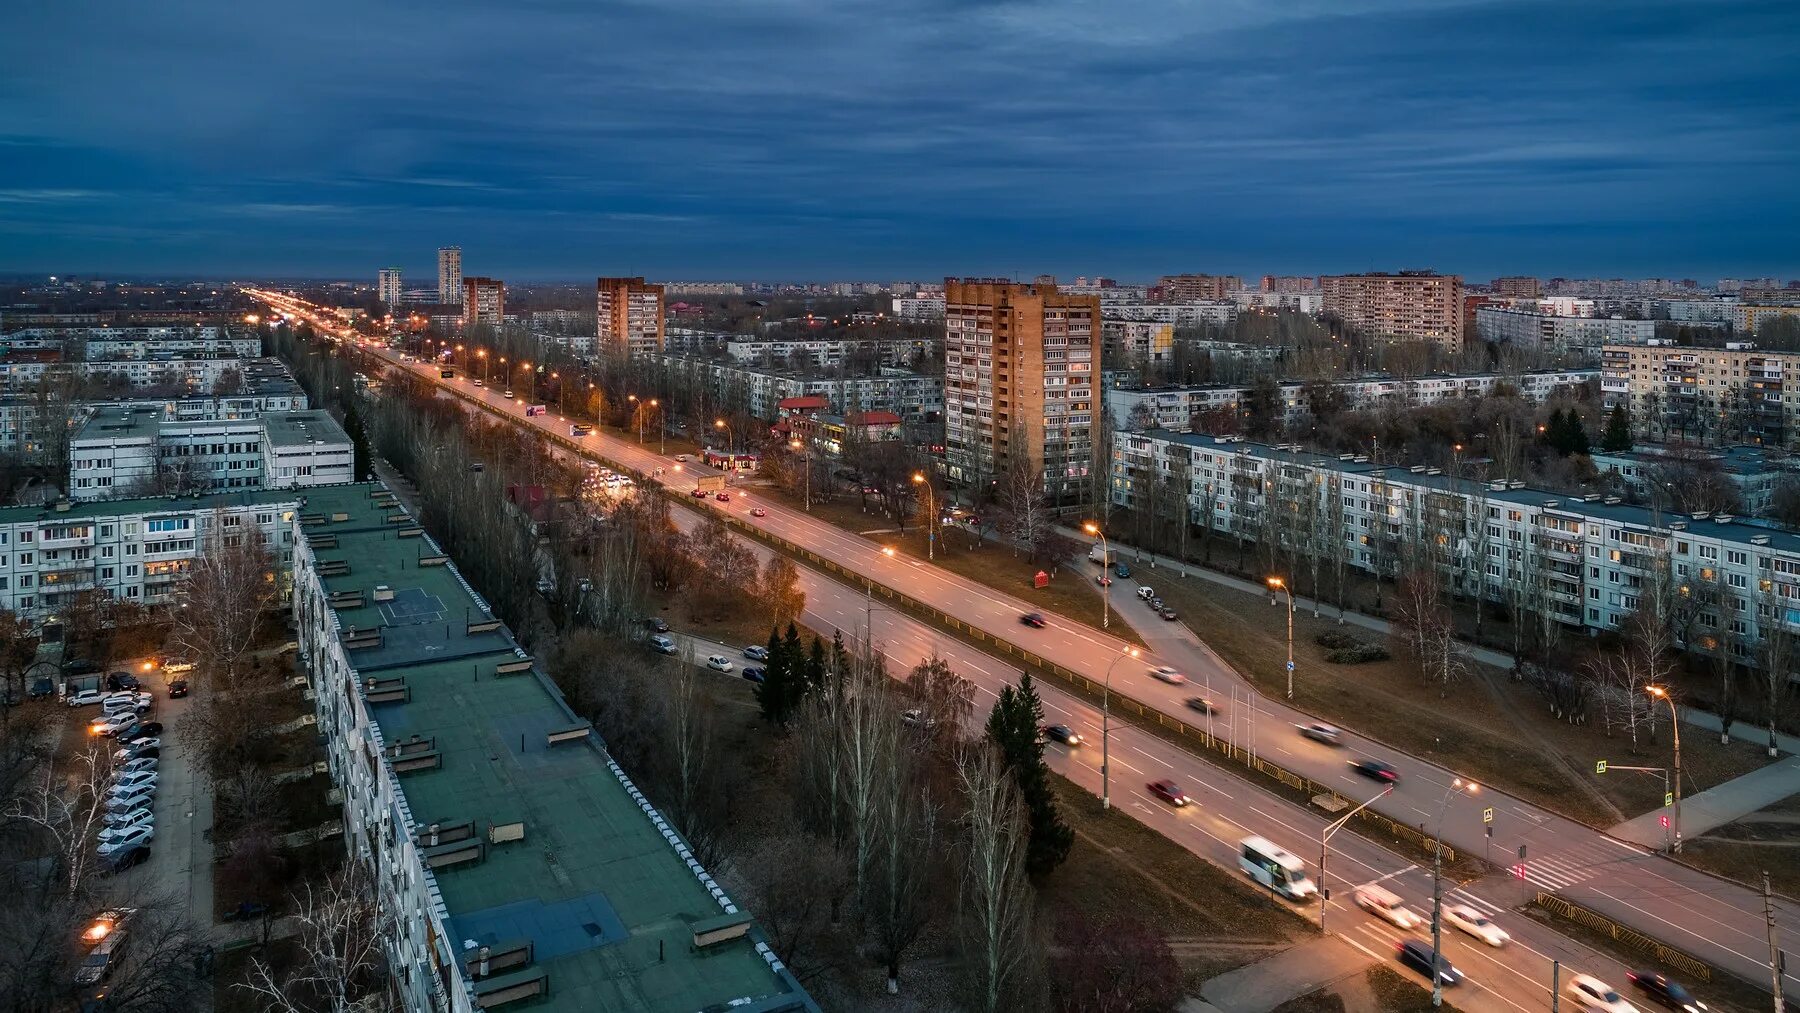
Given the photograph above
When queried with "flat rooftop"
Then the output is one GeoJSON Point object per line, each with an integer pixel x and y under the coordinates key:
{"type": "Point", "coordinates": [605, 893]}
{"type": "Point", "coordinates": [298, 429]}
{"type": "Point", "coordinates": [99, 508]}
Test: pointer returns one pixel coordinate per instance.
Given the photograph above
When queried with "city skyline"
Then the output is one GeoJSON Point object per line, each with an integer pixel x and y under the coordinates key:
{"type": "Point", "coordinates": [926, 139]}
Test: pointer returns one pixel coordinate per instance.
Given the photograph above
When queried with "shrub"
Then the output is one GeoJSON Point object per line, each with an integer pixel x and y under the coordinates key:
{"type": "Point", "coordinates": [1357, 654]}
{"type": "Point", "coordinates": [1336, 639]}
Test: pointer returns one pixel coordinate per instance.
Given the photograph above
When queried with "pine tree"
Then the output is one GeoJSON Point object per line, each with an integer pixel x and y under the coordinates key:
{"type": "Point", "coordinates": [360, 469]}
{"type": "Point", "coordinates": [1618, 430]}
{"type": "Point", "coordinates": [1013, 726]}
{"type": "Point", "coordinates": [773, 692]}
{"type": "Point", "coordinates": [815, 667]}
{"type": "Point", "coordinates": [840, 656]}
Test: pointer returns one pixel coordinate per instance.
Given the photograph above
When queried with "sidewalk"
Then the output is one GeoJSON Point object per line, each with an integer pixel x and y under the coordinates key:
{"type": "Point", "coordinates": [1290, 974]}
{"type": "Point", "coordinates": [1718, 806]}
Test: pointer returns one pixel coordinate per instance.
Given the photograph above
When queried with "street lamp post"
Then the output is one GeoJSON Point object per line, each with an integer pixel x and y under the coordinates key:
{"type": "Point", "coordinates": [1106, 730]}
{"type": "Point", "coordinates": [1278, 584]}
{"type": "Point", "coordinates": [1105, 578]}
{"type": "Point", "coordinates": [730, 436]}
{"type": "Point", "coordinates": [1662, 694]}
{"type": "Point", "coordinates": [481, 353]}
{"type": "Point", "coordinates": [1457, 785]}
{"type": "Point", "coordinates": [1325, 843]}
{"type": "Point", "coordinates": [807, 457]}
{"type": "Point", "coordinates": [930, 516]}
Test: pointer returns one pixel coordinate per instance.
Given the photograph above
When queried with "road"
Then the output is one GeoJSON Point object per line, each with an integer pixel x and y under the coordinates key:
{"type": "Point", "coordinates": [1717, 922]}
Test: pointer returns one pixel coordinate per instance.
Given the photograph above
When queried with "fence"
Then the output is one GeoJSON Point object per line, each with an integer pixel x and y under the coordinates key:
{"type": "Point", "coordinates": [1630, 937]}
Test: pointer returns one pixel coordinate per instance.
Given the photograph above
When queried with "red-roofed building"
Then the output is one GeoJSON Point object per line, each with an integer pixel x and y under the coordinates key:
{"type": "Point", "coordinates": [811, 404]}
{"type": "Point", "coordinates": [830, 434]}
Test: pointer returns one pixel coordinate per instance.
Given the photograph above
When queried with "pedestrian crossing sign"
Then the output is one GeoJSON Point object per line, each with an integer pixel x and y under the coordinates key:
{"type": "Point", "coordinates": [1487, 815]}
{"type": "Point", "coordinates": [1668, 798]}
{"type": "Point", "coordinates": [1599, 766]}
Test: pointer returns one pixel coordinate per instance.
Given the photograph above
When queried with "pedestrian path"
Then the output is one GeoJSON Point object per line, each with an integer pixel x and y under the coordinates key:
{"type": "Point", "coordinates": [1715, 807]}
{"type": "Point", "coordinates": [1290, 974]}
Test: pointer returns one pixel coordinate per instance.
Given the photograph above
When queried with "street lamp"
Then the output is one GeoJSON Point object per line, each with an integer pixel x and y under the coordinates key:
{"type": "Point", "coordinates": [481, 353]}
{"type": "Point", "coordinates": [1277, 584]}
{"type": "Point", "coordinates": [1325, 843]}
{"type": "Point", "coordinates": [807, 457]}
{"type": "Point", "coordinates": [1662, 694]}
{"type": "Point", "coordinates": [930, 517]}
{"type": "Point", "coordinates": [1457, 786]}
{"type": "Point", "coordinates": [1105, 581]}
{"type": "Point", "coordinates": [1106, 730]}
{"type": "Point", "coordinates": [730, 437]}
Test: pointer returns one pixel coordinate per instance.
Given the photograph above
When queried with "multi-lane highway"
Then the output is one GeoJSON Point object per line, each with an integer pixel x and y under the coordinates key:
{"type": "Point", "coordinates": [1718, 922]}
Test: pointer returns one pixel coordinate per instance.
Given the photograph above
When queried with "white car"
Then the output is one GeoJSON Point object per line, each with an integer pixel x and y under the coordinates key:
{"type": "Point", "coordinates": [142, 742]}
{"type": "Point", "coordinates": [1475, 924]}
{"type": "Point", "coordinates": [1590, 993]}
{"type": "Point", "coordinates": [127, 817]}
{"type": "Point", "coordinates": [114, 830]}
{"type": "Point", "coordinates": [719, 663]}
{"type": "Point", "coordinates": [113, 724]}
{"type": "Point", "coordinates": [1145, 592]}
{"type": "Point", "coordinates": [85, 698]}
{"type": "Point", "coordinates": [125, 784]}
{"type": "Point", "coordinates": [135, 800]}
{"type": "Point", "coordinates": [134, 764]}
{"type": "Point", "coordinates": [1384, 904]}
{"type": "Point", "coordinates": [130, 837]}
{"type": "Point", "coordinates": [1168, 675]}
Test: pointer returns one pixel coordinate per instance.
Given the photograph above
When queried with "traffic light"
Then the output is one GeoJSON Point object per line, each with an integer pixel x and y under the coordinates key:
{"type": "Point", "coordinates": [1519, 871]}
{"type": "Point", "coordinates": [1664, 820]}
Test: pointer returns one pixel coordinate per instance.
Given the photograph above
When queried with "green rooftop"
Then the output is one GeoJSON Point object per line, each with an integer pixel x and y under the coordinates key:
{"type": "Point", "coordinates": [599, 889]}
{"type": "Point", "coordinates": [297, 429]}
{"type": "Point", "coordinates": [95, 509]}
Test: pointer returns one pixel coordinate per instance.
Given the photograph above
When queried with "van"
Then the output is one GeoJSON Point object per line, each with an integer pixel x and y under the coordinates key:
{"type": "Point", "coordinates": [1384, 904]}
{"type": "Point", "coordinates": [662, 645]}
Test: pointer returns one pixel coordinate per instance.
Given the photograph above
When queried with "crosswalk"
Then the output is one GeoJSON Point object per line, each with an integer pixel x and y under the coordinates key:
{"type": "Point", "coordinates": [1570, 867]}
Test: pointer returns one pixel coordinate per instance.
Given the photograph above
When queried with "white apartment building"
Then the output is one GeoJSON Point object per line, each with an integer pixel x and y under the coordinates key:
{"type": "Point", "coordinates": [1174, 407]}
{"type": "Point", "coordinates": [1182, 314]}
{"type": "Point", "coordinates": [387, 286]}
{"type": "Point", "coordinates": [1713, 311]}
{"type": "Point", "coordinates": [576, 344]}
{"type": "Point", "coordinates": [1586, 334]}
{"type": "Point", "coordinates": [144, 342]}
{"type": "Point", "coordinates": [450, 276]}
{"type": "Point", "coordinates": [1586, 561]}
{"type": "Point", "coordinates": [914, 397]}
{"type": "Point", "coordinates": [823, 353]}
{"type": "Point", "coordinates": [919, 307]}
{"type": "Point", "coordinates": [1309, 301]}
{"type": "Point", "coordinates": [138, 451]}
{"type": "Point", "coordinates": [199, 373]}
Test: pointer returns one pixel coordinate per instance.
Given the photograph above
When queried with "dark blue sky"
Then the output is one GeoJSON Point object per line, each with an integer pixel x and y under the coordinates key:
{"type": "Point", "coordinates": [911, 138]}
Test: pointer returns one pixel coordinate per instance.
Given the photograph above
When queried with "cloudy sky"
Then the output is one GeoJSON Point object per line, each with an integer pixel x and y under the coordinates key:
{"type": "Point", "coordinates": [906, 138]}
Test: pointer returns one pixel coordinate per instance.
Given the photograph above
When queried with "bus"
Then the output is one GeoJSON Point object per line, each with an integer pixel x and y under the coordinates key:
{"type": "Point", "coordinates": [580, 429]}
{"type": "Point", "coordinates": [1275, 868]}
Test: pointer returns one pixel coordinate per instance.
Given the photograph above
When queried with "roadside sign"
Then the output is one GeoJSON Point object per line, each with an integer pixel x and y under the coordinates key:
{"type": "Point", "coordinates": [1599, 766]}
{"type": "Point", "coordinates": [1487, 815]}
{"type": "Point", "coordinates": [1668, 798]}
{"type": "Point", "coordinates": [1290, 666]}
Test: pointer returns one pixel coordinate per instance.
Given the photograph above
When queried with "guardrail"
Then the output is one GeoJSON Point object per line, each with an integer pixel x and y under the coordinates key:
{"type": "Point", "coordinates": [1680, 961]}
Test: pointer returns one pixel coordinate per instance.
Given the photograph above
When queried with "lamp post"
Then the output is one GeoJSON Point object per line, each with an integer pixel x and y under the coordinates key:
{"type": "Point", "coordinates": [1278, 584]}
{"type": "Point", "coordinates": [1325, 837]}
{"type": "Point", "coordinates": [662, 430]}
{"type": "Point", "coordinates": [807, 457]}
{"type": "Point", "coordinates": [918, 479]}
{"type": "Point", "coordinates": [1662, 694]}
{"type": "Point", "coordinates": [1105, 579]}
{"type": "Point", "coordinates": [1106, 730]}
{"type": "Point", "coordinates": [481, 353]}
{"type": "Point", "coordinates": [730, 436]}
{"type": "Point", "coordinates": [638, 410]}
{"type": "Point", "coordinates": [1457, 786]}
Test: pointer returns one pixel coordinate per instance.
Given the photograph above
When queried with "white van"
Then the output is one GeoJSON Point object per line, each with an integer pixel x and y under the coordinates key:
{"type": "Point", "coordinates": [1381, 902]}
{"type": "Point", "coordinates": [1279, 870]}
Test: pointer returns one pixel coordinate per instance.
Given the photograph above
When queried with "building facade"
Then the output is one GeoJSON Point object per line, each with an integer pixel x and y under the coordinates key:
{"type": "Point", "coordinates": [918, 308]}
{"type": "Point", "coordinates": [1195, 287]}
{"type": "Point", "coordinates": [1517, 287]}
{"type": "Point", "coordinates": [824, 353]}
{"type": "Point", "coordinates": [1218, 314]}
{"type": "Point", "coordinates": [629, 316]}
{"type": "Point", "coordinates": [1021, 367]}
{"type": "Point", "coordinates": [1749, 318]}
{"type": "Point", "coordinates": [450, 276]}
{"type": "Point", "coordinates": [484, 301]}
{"type": "Point", "coordinates": [1585, 335]}
{"type": "Point", "coordinates": [915, 397]}
{"type": "Point", "coordinates": [138, 451]}
{"type": "Point", "coordinates": [1735, 394]}
{"type": "Point", "coordinates": [387, 286]}
{"type": "Point", "coordinates": [1413, 305]}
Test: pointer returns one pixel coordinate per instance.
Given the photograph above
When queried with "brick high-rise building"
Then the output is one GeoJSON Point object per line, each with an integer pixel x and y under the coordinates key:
{"type": "Point", "coordinates": [1288, 283]}
{"type": "Point", "coordinates": [450, 276]}
{"type": "Point", "coordinates": [387, 284]}
{"type": "Point", "coordinates": [484, 301]}
{"type": "Point", "coordinates": [1420, 305]}
{"type": "Point", "coordinates": [1196, 287]}
{"type": "Point", "coordinates": [1021, 377]}
{"type": "Point", "coordinates": [1518, 287]}
{"type": "Point", "coordinates": [628, 316]}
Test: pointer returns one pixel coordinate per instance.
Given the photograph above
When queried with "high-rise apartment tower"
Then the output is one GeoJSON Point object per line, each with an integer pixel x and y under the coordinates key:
{"type": "Point", "coordinates": [484, 301]}
{"type": "Point", "coordinates": [450, 276]}
{"type": "Point", "coordinates": [629, 316]}
{"type": "Point", "coordinates": [387, 284]}
{"type": "Point", "coordinates": [1421, 305]}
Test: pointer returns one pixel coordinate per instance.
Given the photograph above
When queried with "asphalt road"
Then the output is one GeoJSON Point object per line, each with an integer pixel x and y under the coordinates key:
{"type": "Point", "coordinates": [1716, 921]}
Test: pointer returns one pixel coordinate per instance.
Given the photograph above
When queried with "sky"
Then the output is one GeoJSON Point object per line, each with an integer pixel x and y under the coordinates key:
{"type": "Point", "coordinates": [905, 139]}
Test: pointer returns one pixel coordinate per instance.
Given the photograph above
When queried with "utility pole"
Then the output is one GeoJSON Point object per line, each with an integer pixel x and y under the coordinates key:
{"type": "Point", "coordinates": [1555, 986]}
{"type": "Point", "coordinates": [1437, 922]}
{"type": "Point", "coordinates": [1774, 950]}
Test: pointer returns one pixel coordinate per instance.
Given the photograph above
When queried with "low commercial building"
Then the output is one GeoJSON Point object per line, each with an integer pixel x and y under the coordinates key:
{"type": "Point", "coordinates": [831, 435]}
{"type": "Point", "coordinates": [139, 451]}
{"type": "Point", "coordinates": [517, 859]}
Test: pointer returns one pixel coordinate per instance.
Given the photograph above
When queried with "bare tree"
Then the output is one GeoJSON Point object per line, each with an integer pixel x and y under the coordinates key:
{"type": "Point", "coordinates": [1024, 516]}
{"type": "Point", "coordinates": [798, 902]}
{"type": "Point", "coordinates": [342, 931]}
{"type": "Point", "coordinates": [226, 597]}
{"type": "Point", "coordinates": [1425, 629]}
{"type": "Point", "coordinates": [901, 895]}
{"type": "Point", "coordinates": [1775, 659]}
{"type": "Point", "coordinates": [70, 811]}
{"type": "Point", "coordinates": [944, 698]}
{"type": "Point", "coordinates": [780, 590]}
{"type": "Point", "coordinates": [997, 916]}
{"type": "Point", "coordinates": [698, 802]}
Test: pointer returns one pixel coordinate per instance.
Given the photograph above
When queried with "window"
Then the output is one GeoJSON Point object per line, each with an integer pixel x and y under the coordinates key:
{"type": "Point", "coordinates": [26, 558]}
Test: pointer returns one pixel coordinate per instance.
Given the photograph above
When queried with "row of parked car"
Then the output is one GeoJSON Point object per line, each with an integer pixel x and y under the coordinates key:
{"type": "Point", "coordinates": [130, 820]}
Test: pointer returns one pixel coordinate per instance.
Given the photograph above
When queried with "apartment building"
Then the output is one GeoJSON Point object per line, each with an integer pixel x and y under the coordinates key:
{"type": "Point", "coordinates": [1020, 376]}
{"type": "Point", "coordinates": [387, 286]}
{"type": "Point", "coordinates": [1196, 287]}
{"type": "Point", "coordinates": [629, 316]}
{"type": "Point", "coordinates": [138, 450]}
{"type": "Point", "coordinates": [1713, 311]}
{"type": "Point", "coordinates": [1749, 318]}
{"type": "Point", "coordinates": [1517, 287]}
{"type": "Point", "coordinates": [1734, 394]}
{"type": "Point", "coordinates": [450, 276]}
{"type": "Point", "coordinates": [1308, 301]}
{"type": "Point", "coordinates": [484, 301]}
{"type": "Point", "coordinates": [104, 343]}
{"type": "Point", "coordinates": [1173, 407]}
{"type": "Point", "coordinates": [1138, 341]}
{"type": "Point", "coordinates": [1578, 334]}
{"type": "Point", "coordinates": [30, 423]}
{"type": "Point", "coordinates": [824, 353]}
{"type": "Point", "coordinates": [137, 550]}
{"type": "Point", "coordinates": [1586, 561]}
{"type": "Point", "coordinates": [1218, 314]}
{"type": "Point", "coordinates": [23, 370]}
{"type": "Point", "coordinates": [918, 307]}
{"type": "Point", "coordinates": [1288, 283]}
{"type": "Point", "coordinates": [1755, 472]}
{"type": "Point", "coordinates": [518, 862]}
{"type": "Point", "coordinates": [1417, 305]}
{"type": "Point", "coordinates": [915, 397]}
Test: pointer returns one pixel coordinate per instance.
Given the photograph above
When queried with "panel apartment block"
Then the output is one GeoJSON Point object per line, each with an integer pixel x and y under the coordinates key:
{"type": "Point", "coordinates": [628, 316]}
{"type": "Point", "coordinates": [1421, 305]}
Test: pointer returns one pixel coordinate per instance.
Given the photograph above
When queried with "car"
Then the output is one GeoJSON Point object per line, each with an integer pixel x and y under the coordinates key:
{"type": "Point", "coordinates": [1419, 956]}
{"type": "Point", "coordinates": [128, 858]}
{"type": "Point", "coordinates": [178, 689]}
{"type": "Point", "coordinates": [85, 698]}
{"type": "Point", "coordinates": [656, 624]}
{"type": "Point", "coordinates": [127, 817]}
{"type": "Point", "coordinates": [113, 831]}
{"type": "Point", "coordinates": [1145, 592]}
{"type": "Point", "coordinates": [136, 763]}
{"type": "Point", "coordinates": [1475, 924]}
{"type": "Point", "coordinates": [1384, 904]}
{"type": "Point", "coordinates": [149, 729]}
{"type": "Point", "coordinates": [1319, 731]}
{"type": "Point", "coordinates": [130, 837]}
{"type": "Point", "coordinates": [1169, 792]}
{"type": "Point", "coordinates": [41, 686]}
{"type": "Point", "coordinates": [1121, 571]}
{"type": "Point", "coordinates": [125, 784]}
{"type": "Point", "coordinates": [1061, 733]}
{"type": "Point", "coordinates": [1168, 615]}
{"type": "Point", "coordinates": [1201, 704]}
{"type": "Point", "coordinates": [719, 663]}
{"type": "Point", "coordinates": [546, 586]}
{"type": "Point", "coordinates": [140, 743]}
{"type": "Point", "coordinates": [177, 667]}
{"type": "Point", "coordinates": [245, 911]}
{"type": "Point", "coordinates": [1103, 580]}
{"type": "Point", "coordinates": [1168, 675]}
{"type": "Point", "coordinates": [722, 496]}
{"type": "Point", "coordinates": [121, 680]}
{"type": "Point", "coordinates": [1664, 992]}
{"type": "Point", "coordinates": [135, 800]}
{"type": "Point", "coordinates": [507, 393]}
{"type": "Point", "coordinates": [758, 512]}
{"type": "Point", "coordinates": [480, 383]}
{"type": "Point", "coordinates": [1156, 604]}
{"type": "Point", "coordinates": [916, 718]}
{"type": "Point", "coordinates": [662, 645]}
{"type": "Point", "coordinates": [123, 703]}
{"type": "Point", "coordinates": [112, 724]}
{"type": "Point", "coordinates": [1377, 770]}
{"type": "Point", "coordinates": [754, 674]}
{"type": "Point", "coordinates": [683, 457]}
{"type": "Point", "coordinates": [129, 753]}
{"type": "Point", "coordinates": [699, 493]}
{"type": "Point", "coordinates": [1035, 620]}
{"type": "Point", "coordinates": [1590, 993]}
{"type": "Point", "coordinates": [756, 652]}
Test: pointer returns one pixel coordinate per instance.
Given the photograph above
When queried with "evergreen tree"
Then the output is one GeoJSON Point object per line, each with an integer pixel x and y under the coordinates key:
{"type": "Point", "coordinates": [815, 667]}
{"type": "Point", "coordinates": [1618, 430]}
{"type": "Point", "coordinates": [840, 655]}
{"type": "Point", "coordinates": [1013, 726]}
{"type": "Point", "coordinates": [773, 692]}
{"type": "Point", "coordinates": [360, 469]}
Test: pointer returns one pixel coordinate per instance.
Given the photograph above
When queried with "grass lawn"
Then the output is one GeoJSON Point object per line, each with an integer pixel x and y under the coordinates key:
{"type": "Point", "coordinates": [1723, 993]}
{"type": "Point", "coordinates": [1768, 839]}
{"type": "Point", "coordinates": [1501, 735]}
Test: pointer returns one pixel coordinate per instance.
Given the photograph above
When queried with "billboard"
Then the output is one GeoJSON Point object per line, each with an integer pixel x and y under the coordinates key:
{"type": "Point", "coordinates": [534, 410]}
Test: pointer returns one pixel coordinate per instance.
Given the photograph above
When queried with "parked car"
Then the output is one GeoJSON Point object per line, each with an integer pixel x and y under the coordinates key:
{"type": "Point", "coordinates": [121, 680]}
{"type": "Point", "coordinates": [149, 729]}
{"type": "Point", "coordinates": [135, 764]}
{"type": "Point", "coordinates": [1061, 733]}
{"type": "Point", "coordinates": [1665, 992]}
{"type": "Point", "coordinates": [756, 653]}
{"type": "Point", "coordinates": [1422, 958]}
{"type": "Point", "coordinates": [41, 686]}
{"type": "Point", "coordinates": [129, 753]}
{"type": "Point", "coordinates": [754, 674]}
{"type": "Point", "coordinates": [1035, 620]}
{"type": "Point", "coordinates": [915, 718]}
{"type": "Point", "coordinates": [662, 645]}
{"type": "Point", "coordinates": [126, 817]}
{"type": "Point", "coordinates": [1377, 770]}
{"type": "Point", "coordinates": [1145, 592]}
{"type": "Point", "coordinates": [719, 663]}
{"type": "Point", "coordinates": [1386, 905]}
{"type": "Point", "coordinates": [135, 800]}
{"type": "Point", "coordinates": [1475, 924]}
{"type": "Point", "coordinates": [1168, 615]}
{"type": "Point", "coordinates": [1201, 704]}
{"type": "Point", "coordinates": [127, 783]}
{"type": "Point", "coordinates": [1168, 675]}
{"type": "Point", "coordinates": [178, 688]}
{"type": "Point", "coordinates": [1169, 792]}
{"type": "Point", "coordinates": [130, 837]}
{"type": "Point", "coordinates": [85, 698]}
{"type": "Point", "coordinates": [1318, 731]}
{"type": "Point", "coordinates": [1590, 993]}
{"type": "Point", "coordinates": [112, 724]}
{"type": "Point", "coordinates": [655, 624]}
{"type": "Point", "coordinates": [245, 911]}
{"type": "Point", "coordinates": [128, 858]}
{"type": "Point", "coordinates": [141, 742]}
